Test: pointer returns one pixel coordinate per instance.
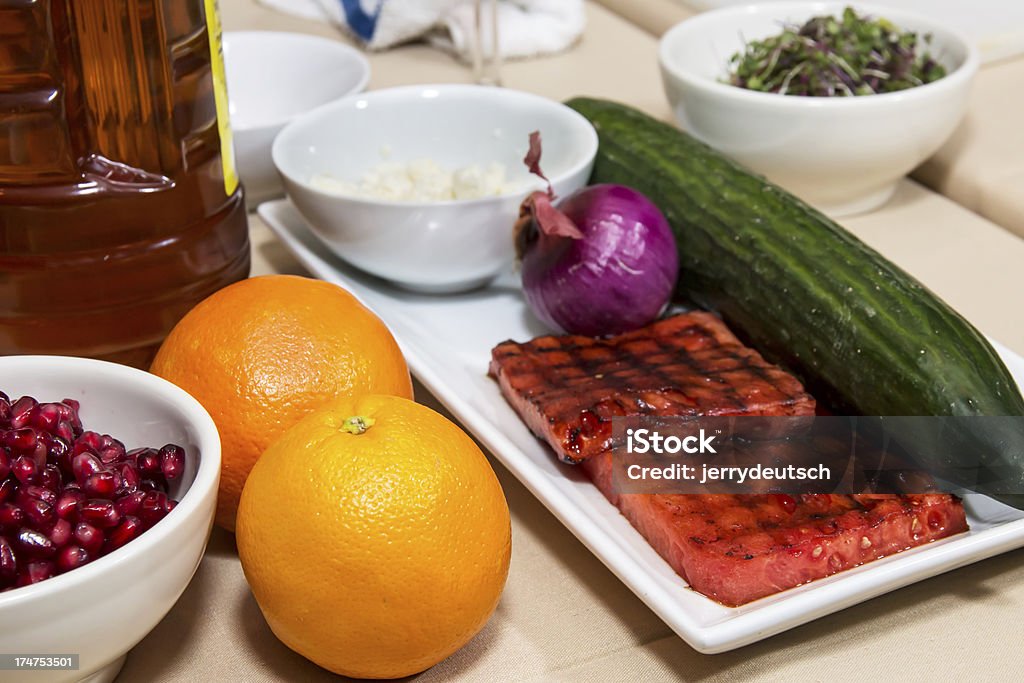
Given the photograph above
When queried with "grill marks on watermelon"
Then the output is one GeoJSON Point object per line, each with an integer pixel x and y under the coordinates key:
{"type": "Point", "coordinates": [733, 549]}
{"type": "Point", "coordinates": [568, 388]}
{"type": "Point", "coordinates": [736, 549]}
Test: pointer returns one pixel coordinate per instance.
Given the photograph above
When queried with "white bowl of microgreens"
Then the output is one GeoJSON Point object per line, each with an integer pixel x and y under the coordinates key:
{"type": "Point", "coordinates": [832, 102]}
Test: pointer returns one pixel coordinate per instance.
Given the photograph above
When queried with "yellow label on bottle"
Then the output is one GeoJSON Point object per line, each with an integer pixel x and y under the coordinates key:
{"type": "Point", "coordinates": [220, 95]}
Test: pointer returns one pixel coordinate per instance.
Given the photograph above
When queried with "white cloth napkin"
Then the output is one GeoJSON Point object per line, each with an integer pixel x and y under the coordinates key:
{"type": "Point", "coordinates": [526, 28]}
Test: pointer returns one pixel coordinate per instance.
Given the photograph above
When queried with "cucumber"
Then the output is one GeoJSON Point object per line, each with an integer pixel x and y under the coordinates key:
{"type": "Point", "coordinates": [860, 332]}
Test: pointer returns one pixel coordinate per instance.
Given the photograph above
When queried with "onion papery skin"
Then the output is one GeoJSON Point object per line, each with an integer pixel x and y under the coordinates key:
{"type": "Point", "coordinates": [618, 277]}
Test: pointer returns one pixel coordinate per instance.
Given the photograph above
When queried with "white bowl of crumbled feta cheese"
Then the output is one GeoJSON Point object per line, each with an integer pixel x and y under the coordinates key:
{"type": "Point", "coordinates": [421, 185]}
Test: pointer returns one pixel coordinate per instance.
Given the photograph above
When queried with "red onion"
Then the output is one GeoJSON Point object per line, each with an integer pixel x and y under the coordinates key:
{"type": "Point", "coordinates": [603, 261]}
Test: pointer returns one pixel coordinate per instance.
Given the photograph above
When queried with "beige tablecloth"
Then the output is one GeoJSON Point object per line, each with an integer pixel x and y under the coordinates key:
{"type": "Point", "coordinates": [563, 615]}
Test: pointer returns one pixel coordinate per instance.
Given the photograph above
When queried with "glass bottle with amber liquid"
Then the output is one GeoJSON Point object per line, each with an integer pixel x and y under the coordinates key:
{"type": "Point", "coordinates": [120, 208]}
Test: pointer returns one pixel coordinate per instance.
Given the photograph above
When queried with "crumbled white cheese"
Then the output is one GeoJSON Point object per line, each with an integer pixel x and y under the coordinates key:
{"type": "Point", "coordinates": [419, 180]}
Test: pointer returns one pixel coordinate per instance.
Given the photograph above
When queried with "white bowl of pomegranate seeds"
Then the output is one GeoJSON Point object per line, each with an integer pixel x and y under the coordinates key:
{"type": "Point", "coordinates": [108, 483]}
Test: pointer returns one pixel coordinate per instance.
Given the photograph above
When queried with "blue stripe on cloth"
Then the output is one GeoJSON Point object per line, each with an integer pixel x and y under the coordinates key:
{"type": "Point", "coordinates": [362, 23]}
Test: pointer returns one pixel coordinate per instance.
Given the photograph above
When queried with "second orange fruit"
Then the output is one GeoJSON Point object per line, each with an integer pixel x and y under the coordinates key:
{"type": "Point", "coordinates": [375, 537]}
{"type": "Point", "coordinates": [263, 352]}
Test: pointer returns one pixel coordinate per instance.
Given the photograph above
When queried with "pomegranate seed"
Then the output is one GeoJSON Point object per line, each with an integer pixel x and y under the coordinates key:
{"type": "Point", "coordinates": [21, 441]}
{"type": "Point", "coordinates": [67, 505]}
{"type": "Point", "coordinates": [126, 531]}
{"type": "Point", "coordinates": [50, 478]}
{"type": "Point", "coordinates": [59, 447]}
{"type": "Point", "coordinates": [34, 543]}
{"type": "Point", "coordinates": [154, 508]}
{"type": "Point", "coordinates": [38, 513]}
{"type": "Point", "coordinates": [89, 537]}
{"type": "Point", "coordinates": [131, 503]}
{"type": "Point", "coordinates": [100, 513]}
{"type": "Point", "coordinates": [72, 557]}
{"type": "Point", "coordinates": [111, 449]}
{"type": "Point", "coordinates": [69, 413]}
{"type": "Point", "coordinates": [45, 416]}
{"type": "Point", "coordinates": [147, 460]}
{"type": "Point", "coordinates": [5, 409]}
{"type": "Point", "coordinates": [21, 411]}
{"type": "Point", "coordinates": [88, 441]}
{"type": "Point", "coordinates": [7, 489]}
{"type": "Point", "coordinates": [11, 516]}
{"type": "Point", "coordinates": [65, 431]}
{"type": "Point", "coordinates": [63, 461]}
{"type": "Point", "coordinates": [39, 492]}
{"type": "Point", "coordinates": [64, 411]}
{"type": "Point", "coordinates": [44, 440]}
{"type": "Point", "coordinates": [5, 464]}
{"type": "Point", "coordinates": [8, 563]}
{"type": "Point", "coordinates": [25, 469]}
{"type": "Point", "coordinates": [112, 454]}
{"type": "Point", "coordinates": [61, 533]}
{"type": "Point", "coordinates": [100, 485]}
{"type": "Point", "coordinates": [84, 465]}
{"type": "Point", "coordinates": [39, 454]}
{"type": "Point", "coordinates": [42, 448]}
{"type": "Point", "coordinates": [35, 572]}
{"type": "Point", "coordinates": [172, 461]}
{"type": "Point", "coordinates": [171, 504]}
{"type": "Point", "coordinates": [129, 478]}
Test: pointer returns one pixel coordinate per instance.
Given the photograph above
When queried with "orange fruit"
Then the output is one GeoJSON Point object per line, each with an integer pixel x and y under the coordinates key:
{"type": "Point", "coordinates": [263, 352]}
{"type": "Point", "coordinates": [375, 537]}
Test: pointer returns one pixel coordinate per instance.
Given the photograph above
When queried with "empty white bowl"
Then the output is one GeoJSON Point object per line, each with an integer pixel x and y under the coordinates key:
{"type": "Point", "coordinates": [442, 246]}
{"type": "Point", "coordinates": [842, 154]}
{"type": "Point", "coordinates": [272, 77]}
{"type": "Point", "coordinates": [101, 610]}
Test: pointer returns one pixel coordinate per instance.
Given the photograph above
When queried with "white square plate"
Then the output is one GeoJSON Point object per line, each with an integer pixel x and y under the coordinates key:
{"type": "Point", "coordinates": [447, 341]}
